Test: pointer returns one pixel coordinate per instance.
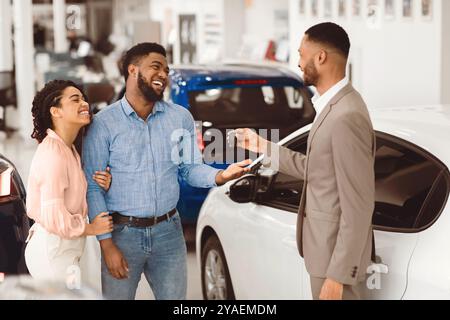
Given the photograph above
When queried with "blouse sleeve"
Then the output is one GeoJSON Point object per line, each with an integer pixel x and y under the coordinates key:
{"type": "Point", "coordinates": [53, 181]}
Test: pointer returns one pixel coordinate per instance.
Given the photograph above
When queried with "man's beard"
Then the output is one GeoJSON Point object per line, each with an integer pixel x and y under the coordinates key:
{"type": "Point", "coordinates": [310, 75]}
{"type": "Point", "coordinates": [147, 91]}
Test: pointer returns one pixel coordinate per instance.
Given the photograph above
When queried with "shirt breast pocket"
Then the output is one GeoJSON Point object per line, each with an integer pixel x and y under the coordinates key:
{"type": "Point", "coordinates": [127, 156]}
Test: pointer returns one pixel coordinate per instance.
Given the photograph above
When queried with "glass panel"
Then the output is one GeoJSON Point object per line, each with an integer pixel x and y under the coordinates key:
{"type": "Point", "coordinates": [403, 180]}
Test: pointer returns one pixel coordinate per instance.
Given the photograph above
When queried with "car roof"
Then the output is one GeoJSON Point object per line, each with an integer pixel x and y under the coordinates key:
{"type": "Point", "coordinates": [426, 126]}
{"type": "Point", "coordinates": [231, 71]}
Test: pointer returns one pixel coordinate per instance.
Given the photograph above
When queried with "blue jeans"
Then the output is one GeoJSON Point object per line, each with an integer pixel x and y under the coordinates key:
{"type": "Point", "coordinates": [159, 252]}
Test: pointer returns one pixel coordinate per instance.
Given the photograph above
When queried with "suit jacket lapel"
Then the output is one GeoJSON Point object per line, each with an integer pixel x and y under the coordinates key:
{"type": "Point", "coordinates": [317, 124]}
{"type": "Point", "coordinates": [343, 92]}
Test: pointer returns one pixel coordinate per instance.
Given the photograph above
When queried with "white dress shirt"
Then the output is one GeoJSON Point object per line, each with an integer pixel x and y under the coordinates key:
{"type": "Point", "coordinates": [321, 101]}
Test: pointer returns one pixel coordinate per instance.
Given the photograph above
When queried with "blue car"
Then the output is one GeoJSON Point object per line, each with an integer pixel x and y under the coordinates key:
{"type": "Point", "coordinates": [226, 97]}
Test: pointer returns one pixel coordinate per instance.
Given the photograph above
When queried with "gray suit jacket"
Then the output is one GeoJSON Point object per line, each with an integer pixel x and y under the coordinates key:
{"type": "Point", "coordinates": [334, 225]}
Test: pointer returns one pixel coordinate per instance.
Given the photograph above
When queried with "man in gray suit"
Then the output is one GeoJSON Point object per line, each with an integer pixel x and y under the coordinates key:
{"type": "Point", "coordinates": [334, 225]}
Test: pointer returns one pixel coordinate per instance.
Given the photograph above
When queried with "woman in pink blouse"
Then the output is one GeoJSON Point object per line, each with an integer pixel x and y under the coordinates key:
{"type": "Point", "coordinates": [56, 195]}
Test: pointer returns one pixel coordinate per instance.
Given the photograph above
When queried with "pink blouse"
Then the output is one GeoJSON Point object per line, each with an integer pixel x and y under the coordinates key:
{"type": "Point", "coordinates": [56, 197]}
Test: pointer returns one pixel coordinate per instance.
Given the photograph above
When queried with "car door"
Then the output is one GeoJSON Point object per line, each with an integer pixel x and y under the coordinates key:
{"type": "Point", "coordinates": [428, 274]}
{"type": "Point", "coordinates": [404, 177]}
{"type": "Point", "coordinates": [270, 265]}
{"type": "Point", "coordinates": [269, 261]}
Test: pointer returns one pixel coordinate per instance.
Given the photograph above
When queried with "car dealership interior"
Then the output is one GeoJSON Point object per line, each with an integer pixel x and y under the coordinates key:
{"type": "Point", "coordinates": [228, 64]}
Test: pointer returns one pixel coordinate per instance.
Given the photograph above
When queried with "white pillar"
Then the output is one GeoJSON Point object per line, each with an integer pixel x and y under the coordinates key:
{"type": "Point", "coordinates": [6, 60]}
{"type": "Point", "coordinates": [59, 26]}
{"type": "Point", "coordinates": [233, 11]}
{"type": "Point", "coordinates": [445, 66]}
{"type": "Point", "coordinates": [24, 58]}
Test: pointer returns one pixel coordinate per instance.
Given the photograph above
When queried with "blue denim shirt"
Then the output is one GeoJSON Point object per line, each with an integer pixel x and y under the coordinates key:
{"type": "Point", "coordinates": [145, 158]}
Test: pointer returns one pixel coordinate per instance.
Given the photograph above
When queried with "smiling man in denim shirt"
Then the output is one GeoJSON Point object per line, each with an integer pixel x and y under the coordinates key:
{"type": "Point", "coordinates": [147, 143]}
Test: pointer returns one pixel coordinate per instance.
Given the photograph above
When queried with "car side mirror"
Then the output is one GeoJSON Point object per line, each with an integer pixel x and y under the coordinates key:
{"type": "Point", "coordinates": [244, 190]}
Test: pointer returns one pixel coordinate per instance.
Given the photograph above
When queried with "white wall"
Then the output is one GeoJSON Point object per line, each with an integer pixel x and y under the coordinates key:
{"type": "Point", "coordinates": [163, 11]}
{"type": "Point", "coordinates": [169, 10]}
{"type": "Point", "coordinates": [240, 21]}
{"type": "Point", "coordinates": [127, 12]}
{"type": "Point", "coordinates": [261, 27]}
{"type": "Point", "coordinates": [259, 18]}
{"type": "Point", "coordinates": [226, 17]}
{"type": "Point", "coordinates": [234, 16]}
{"type": "Point", "coordinates": [398, 63]}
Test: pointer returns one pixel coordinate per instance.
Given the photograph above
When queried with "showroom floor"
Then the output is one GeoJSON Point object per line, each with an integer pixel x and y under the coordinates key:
{"type": "Point", "coordinates": [20, 152]}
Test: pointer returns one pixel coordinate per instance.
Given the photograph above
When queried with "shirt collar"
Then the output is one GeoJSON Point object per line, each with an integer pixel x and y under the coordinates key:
{"type": "Point", "coordinates": [54, 135]}
{"type": "Point", "coordinates": [321, 101]}
{"type": "Point", "coordinates": [128, 109]}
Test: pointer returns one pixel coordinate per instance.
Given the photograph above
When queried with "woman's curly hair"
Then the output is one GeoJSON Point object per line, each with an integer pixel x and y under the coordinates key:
{"type": "Point", "coordinates": [49, 96]}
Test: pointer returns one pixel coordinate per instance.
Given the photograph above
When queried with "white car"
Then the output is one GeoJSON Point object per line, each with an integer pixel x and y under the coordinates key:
{"type": "Point", "coordinates": [247, 249]}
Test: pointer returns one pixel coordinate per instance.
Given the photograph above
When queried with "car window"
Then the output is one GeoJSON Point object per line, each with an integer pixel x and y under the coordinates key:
{"type": "Point", "coordinates": [255, 107]}
{"type": "Point", "coordinates": [294, 97]}
{"type": "Point", "coordinates": [434, 203]}
{"type": "Point", "coordinates": [411, 186]}
{"type": "Point", "coordinates": [406, 179]}
{"type": "Point", "coordinates": [283, 191]}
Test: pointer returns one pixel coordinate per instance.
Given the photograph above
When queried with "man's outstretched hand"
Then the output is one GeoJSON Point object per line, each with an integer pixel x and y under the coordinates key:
{"type": "Point", "coordinates": [234, 171]}
{"type": "Point", "coordinates": [248, 139]}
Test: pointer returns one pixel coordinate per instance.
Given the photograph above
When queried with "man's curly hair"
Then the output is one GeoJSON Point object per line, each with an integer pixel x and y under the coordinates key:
{"type": "Point", "coordinates": [49, 96]}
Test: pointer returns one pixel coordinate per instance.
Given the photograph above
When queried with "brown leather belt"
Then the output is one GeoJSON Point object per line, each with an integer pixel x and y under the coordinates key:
{"type": "Point", "coordinates": [141, 222]}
